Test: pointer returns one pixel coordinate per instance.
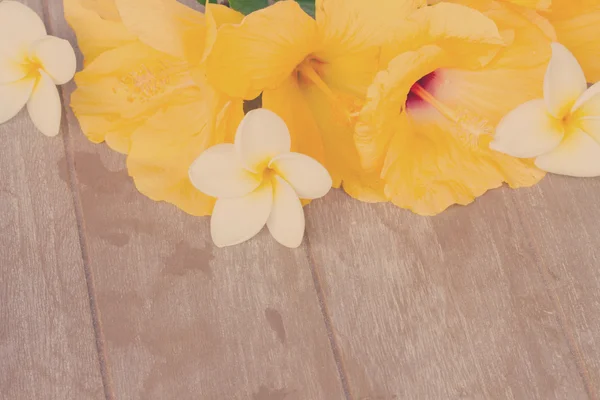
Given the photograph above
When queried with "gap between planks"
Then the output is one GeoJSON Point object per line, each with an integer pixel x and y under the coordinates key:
{"type": "Point", "coordinates": [327, 320]}
{"type": "Point", "coordinates": [70, 162]}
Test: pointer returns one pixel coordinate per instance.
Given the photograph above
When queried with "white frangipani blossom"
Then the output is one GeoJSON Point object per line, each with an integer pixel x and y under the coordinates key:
{"type": "Point", "coordinates": [31, 65]}
{"type": "Point", "coordinates": [258, 181]}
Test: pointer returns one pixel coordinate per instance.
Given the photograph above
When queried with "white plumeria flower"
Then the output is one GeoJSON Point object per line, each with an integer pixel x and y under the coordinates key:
{"type": "Point", "coordinates": [258, 181]}
{"type": "Point", "coordinates": [31, 65]}
{"type": "Point", "coordinates": [562, 130]}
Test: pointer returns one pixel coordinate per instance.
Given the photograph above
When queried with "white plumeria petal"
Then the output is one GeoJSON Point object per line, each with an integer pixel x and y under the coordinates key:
{"type": "Point", "coordinates": [19, 27]}
{"type": "Point", "coordinates": [590, 93]}
{"type": "Point", "coordinates": [309, 179]}
{"type": "Point", "coordinates": [286, 221]}
{"type": "Point", "coordinates": [586, 112]}
{"type": "Point", "coordinates": [564, 81]}
{"type": "Point", "coordinates": [13, 97]}
{"type": "Point", "coordinates": [10, 70]}
{"type": "Point", "coordinates": [218, 172]}
{"type": "Point", "coordinates": [44, 106]}
{"type": "Point", "coordinates": [238, 219]}
{"type": "Point", "coordinates": [19, 23]}
{"type": "Point", "coordinates": [262, 135]}
{"type": "Point", "coordinates": [591, 126]}
{"type": "Point", "coordinates": [527, 131]}
{"type": "Point", "coordinates": [577, 155]}
{"type": "Point", "coordinates": [57, 58]}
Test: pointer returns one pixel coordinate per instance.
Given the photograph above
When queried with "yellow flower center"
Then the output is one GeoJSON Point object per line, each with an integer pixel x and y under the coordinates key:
{"type": "Point", "coordinates": [31, 67]}
{"type": "Point", "coordinates": [146, 82]}
{"type": "Point", "coordinates": [268, 174]}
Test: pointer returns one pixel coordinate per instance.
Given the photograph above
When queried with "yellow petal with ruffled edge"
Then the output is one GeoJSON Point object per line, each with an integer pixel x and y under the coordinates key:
{"type": "Point", "coordinates": [288, 101]}
{"type": "Point", "coordinates": [162, 24]}
{"type": "Point", "coordinates": [216, 15]}
{"type": "Point", "coordinates": [97, 25]}
{"type": "Point", "coordinates": [341, 157]}
{"type": "Point", "coordinates": [460, 30]}
{"type": "Point", "coordinates": [350, 44]}
{"type": "Point", "coordinates": [535, 4]}
{"type": "Point", "coordinates": [577, 24]}
{"type": "Point", "coordinates": [247, 58]}
{"type": "Point", "coordinates": [123, 87]}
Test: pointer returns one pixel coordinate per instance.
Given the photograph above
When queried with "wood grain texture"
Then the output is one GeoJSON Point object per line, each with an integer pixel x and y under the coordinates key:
{"type": "Point", "coordinates": [184, 320]}
{"type": "Point", "coordinates": [561, 217]}
{"type": "Point", "coordinates": [181, 319]}
{"type": "Point", "coordinates": [47, 345]}
{"type": "Point", "coordinates": [497, 300]}
{"type": "Point", "coordinates": [448, 307]}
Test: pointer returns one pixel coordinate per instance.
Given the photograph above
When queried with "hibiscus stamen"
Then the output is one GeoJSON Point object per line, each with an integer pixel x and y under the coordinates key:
{"type": "Point", "coordinates": [307, 71]}
{"type": "Point", "coordinates": [473, 127]}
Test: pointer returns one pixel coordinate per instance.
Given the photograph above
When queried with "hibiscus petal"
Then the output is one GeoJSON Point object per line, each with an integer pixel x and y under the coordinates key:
{"type": "Point", "coordinates": [286, 221]}
{"type": "Point", "coordinates": [57, 57]}
{"type": "Point", "coordinates": [472, 44]}
{"type": "Point", "coordinates": [350, 48]}
{"type": "Point", "coordinates": [248, 58]}
{"type": "Point", "coordinates": [216, 15]}
{"type": "Point", "coordinates": [309, 179]}
{"type": "Point", "coordinates": [527, 131]}
{"type": "Point", "coordinates": [13, 97]}
{"type": "Point", "coordinates": [564, 81]}
{"type": "Point", "coordinates": [577, 155]}
{"type": "Point", "coordinates": [162, 24]}
{"type": "Point", "coordinates": [236, 220]}
{"type": "Point", "coordinates": [577, 27]}
{"type": "Point", "coordinates": [288, 101]}
{"type": "Point", "coordinates": [537, 4]}
{"type": "Point", "coordinates": [341, 156]}
{"type": "Point", "coordinates": [44, 106]}
{"type": "Point", "coordinates": [218, 172]}
{"type": "Point", "coordinates": [97, 25]}
{"type": "Point", "coordinates": [261, 136]}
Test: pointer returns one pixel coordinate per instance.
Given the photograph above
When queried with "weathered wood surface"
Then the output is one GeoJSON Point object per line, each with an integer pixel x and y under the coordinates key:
{"type": "Point", "coordinates": [181, 319]}
{"type": "Point", "coordinates": [106, 294]}
{"type": "Point", "coordinates": [47, 343]}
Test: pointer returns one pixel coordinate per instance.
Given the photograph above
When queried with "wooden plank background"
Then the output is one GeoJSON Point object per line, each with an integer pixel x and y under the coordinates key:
{"type": "Point", "coordinates": [106, 294]}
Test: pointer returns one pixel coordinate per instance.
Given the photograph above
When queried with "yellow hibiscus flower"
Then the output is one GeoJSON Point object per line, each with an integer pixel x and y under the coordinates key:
{"type": "Point", "coordinates": [314, 73]}
{"type": "Point", "coordinates": [451, 73]}
{"type": "Point", "coordinates": [143, 91]}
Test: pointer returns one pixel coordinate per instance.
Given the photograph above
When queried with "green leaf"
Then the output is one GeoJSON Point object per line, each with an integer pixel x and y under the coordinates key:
{"type": "Point", "coordinates": [248, 6]}
{"type": "Point", "coordinates": [308, 6]}
{"type": "Point", "coordinates": [203, 2]}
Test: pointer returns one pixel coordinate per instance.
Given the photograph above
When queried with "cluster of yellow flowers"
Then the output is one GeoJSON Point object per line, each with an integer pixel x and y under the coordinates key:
{"type": "Point", "coordinates": [398, 99]}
